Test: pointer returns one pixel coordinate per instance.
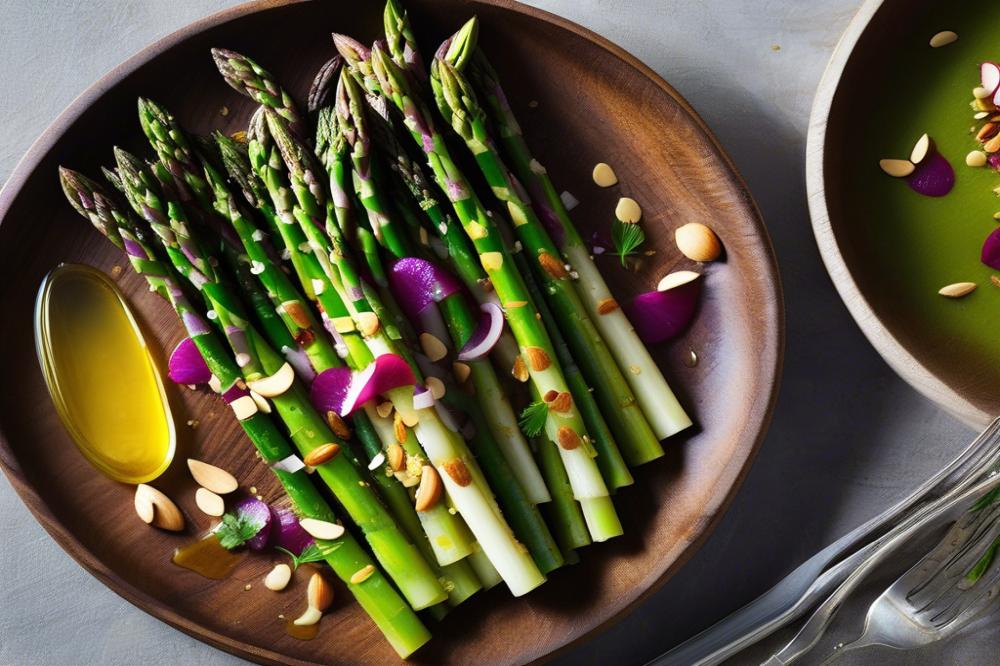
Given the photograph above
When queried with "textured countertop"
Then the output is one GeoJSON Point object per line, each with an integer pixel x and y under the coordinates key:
{"type": "Point", "coordinates": [848, 437]}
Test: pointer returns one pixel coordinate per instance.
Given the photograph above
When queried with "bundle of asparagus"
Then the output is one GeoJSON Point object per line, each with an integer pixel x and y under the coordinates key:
{"type": "Point", "coordinates": [319, 272]}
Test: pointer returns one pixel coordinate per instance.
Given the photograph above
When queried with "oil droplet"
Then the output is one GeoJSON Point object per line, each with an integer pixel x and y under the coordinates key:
{"type": "Point", "coordinates": [207, 557]}
{"type": "Point", "coordinates": [303, 632]}
{"type": "Point", "coordinates": [692, 359]}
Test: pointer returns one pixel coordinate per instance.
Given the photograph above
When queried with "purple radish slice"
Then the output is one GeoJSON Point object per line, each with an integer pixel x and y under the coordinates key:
{"type": "Point", "coordinates": [989, 76]}
{"type": "Point", "coordinates": [991, 250]}
{"type": "Point", "coordinates": [342, 391]}
{"type": "Point", "coordinates": [186, 366]}
{"type": "Point", "coordinates": [486, 335]}
{"type": "Point", "coordinates": [290, 534]}
{"type": "Point", "coordinates": [418, 284]}
{"type": "Point", "coordinates": [257, 513]}
{"type": "Point", "coordinates": [661, 315]}
{"type": "Point", "coordinates": [933, 177]}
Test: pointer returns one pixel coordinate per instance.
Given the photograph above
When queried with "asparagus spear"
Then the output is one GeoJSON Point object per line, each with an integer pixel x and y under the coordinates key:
{"type": "Point", "coordinates": [537, 362]}
{"type": "Point", "coordinates": [458, 104]}
{"type": "Point", "coordinates": [248, 78]}
{"type": "Point", "coordinates": [657, 400]}
{"type": "Point", "coordinates": [391, 614]}
{"type": "Point", "coordinates": [257, 359]}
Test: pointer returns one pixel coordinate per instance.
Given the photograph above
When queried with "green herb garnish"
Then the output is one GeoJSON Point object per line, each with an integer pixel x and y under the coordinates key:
{"type": "Point", "coordinates": [312, 553]}
{"type": "Point", "coordinates": [977, 571]}
{"type": "Point", "coordinates": [236, 530]}
{"type": "Point", "coordinates": [627, 238]}
{"type": "Point", "coordinates": [533, 418]}
{"type": "Point", "coordinates": [986, 500]}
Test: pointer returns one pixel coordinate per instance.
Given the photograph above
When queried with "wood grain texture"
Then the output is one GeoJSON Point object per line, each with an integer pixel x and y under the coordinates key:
{"type": "Point", "coordinates": [595, 103]}
{"type": "Point", "coordinates": [951, 379]}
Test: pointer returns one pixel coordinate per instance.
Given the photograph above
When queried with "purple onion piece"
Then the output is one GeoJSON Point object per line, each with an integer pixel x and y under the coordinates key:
{"type": "Point", "coordinates": [661, 315]}
{"type": "Point", "coordinates": [991, 250]}
{"type": "Point", "coordinates": [418, 283]}
{"type": "Point", "coordinates": [258, 513]}
{"type": "Point", "coordinates": [290, 534]}
{"type": "Point", "coordinates": [342, 391]}
{"type": "Point", "coordinates": [933, 177]}
{"type": "Point", "coordinates": [487, 333]}
{"type": "Point", "coordinates": [186, 365]}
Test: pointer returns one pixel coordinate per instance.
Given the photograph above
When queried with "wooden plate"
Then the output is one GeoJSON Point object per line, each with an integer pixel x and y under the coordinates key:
{"type": "Point", "coordinates": [887, 249]}
{"type": "Point", "coordinates": [594, 103]}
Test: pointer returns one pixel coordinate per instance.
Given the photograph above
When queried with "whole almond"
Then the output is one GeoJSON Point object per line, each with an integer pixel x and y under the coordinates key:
{"type": "Point", "coordinates": [520, 370]}
{"type": "Point", "coordinates": [166, 515]}
{"type": "Point", "coordinates": [697, 242]}
{"type": "Point", "coordinates": [920, 149]}
{"type": "Point", "coordinates": [896, 168]}
{"type": "Point", "coordinates": [362, 574]}
{"type": "Point", "coordinates": [319, 594]}
{"type": "Point", "coordinates": [458, 471]}
{"type": "Point", "coordinates": [209, 503]}
{"type": "Point", "coordinates": [430, 489]}
{"type": "Point", "coordinates": [568, 438]}
{"type": "Point", "coordinates": [144, 506]}
{"type": "Point", "coordinates": [321, 454]}
{"type": "Point", "coordinates": [551, 265]}
{"type": "Point", "coordinates": [538, 359]}
{"type": "Point", "coordinates": [337, 425]}
{"type": "Point", "coordinates": [396, 457]}
{"type": "Point", "coordinates": [606, 305]}
{"type": "Point", "coordinates": [278, 578]}
{"type": "Point", "coordinates": [219, 481]}
{"type": "Point", "coordinates": [958, 289]}
{"type": "Point", "coordinates": [604, 175]}
{"type": "Point", "coordinates": [322, 529]}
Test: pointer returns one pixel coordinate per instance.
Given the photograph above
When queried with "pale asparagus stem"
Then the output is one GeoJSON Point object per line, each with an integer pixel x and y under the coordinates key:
{"type": "Point", "coordinates": [657, 400]}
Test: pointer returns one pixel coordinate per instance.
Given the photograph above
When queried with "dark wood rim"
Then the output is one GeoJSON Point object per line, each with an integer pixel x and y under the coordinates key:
{"type": "Point", "coordinates": [761, 411]}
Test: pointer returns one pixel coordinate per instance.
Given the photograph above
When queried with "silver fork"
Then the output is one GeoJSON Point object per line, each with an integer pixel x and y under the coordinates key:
{"type": "Point", "coordinates": [937, 596]}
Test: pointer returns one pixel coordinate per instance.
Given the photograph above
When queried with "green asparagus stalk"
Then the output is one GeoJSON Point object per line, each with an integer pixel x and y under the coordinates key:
{"type": "Point", "coordinates": [657, 400]}
{"type": "Point", "coordinates": [257, 359]}
{"type": "Point", "coordinates": [391, 614]}
{"type": "Point", "coordinates": [458, 104]}
{"type": "Point", "coordinates": [537, 362]}
{"type": "Point", "coordinates": [248, 78]}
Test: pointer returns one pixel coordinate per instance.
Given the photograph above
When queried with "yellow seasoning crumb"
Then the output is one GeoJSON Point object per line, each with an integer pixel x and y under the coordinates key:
{"type": "Point", "coordinates": [253, 490]}
{"type": "Point", "coordinates": [775, 47]}
{"type": "Point", "coordinates": [634, 369]}
{"type": "Point", "coordinates": [247, 587]}
{"type": "Point", "coordinates": [116, 271]}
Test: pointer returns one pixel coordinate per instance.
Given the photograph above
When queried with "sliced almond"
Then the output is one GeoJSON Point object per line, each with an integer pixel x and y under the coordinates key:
{"type": "Point", "coordinates": [475, 230]}
{"type": "Point", "coordinates": [920, 149]}
{"type": "Point", "coordinates": [276, 384]}
{"type": "Point", "coordinates": [676, 279]}
{"type": "Point", "coordinates": [604, 175]}
{"type": "Point", "coordinates": [897, 168]}
{"type": "Point", "coordinates": [458, 471]}
{"type": "Point", "coordinates": [429, 490]}
{"type": "Point", "coordinates": [461, 371]}
{"type": "Point", "coordinates": [943, 38]}
{"type": "Point", "coordinates": [958, 289]}
{"type": "Point", "coordinates": [517, 214]}
{"type": "Point", "coordinates": [209, 503]}
{"type": "Point", "coordinates": [436, 387]}
{"type": "Point", "coordinates": [987, 131]}
{"type": "Point", "coordinates": [520, 370]}
{"type": "Point", "coordinates": [278, 578]}
{"type": "Point", "coordinates": [144, 505]}
{"type": "Point", "coordinates": [263, 406]}
{"type": "Point", "coordinates": [697, 242]}
{"type": "Point", "coordinates": [993, 145]}
{"type": "Point", "coordinates": [552, 266]}
{"type": "Point", "coordinates": [310, 617]}
{"type": "Point", "coordinates": [362, 574]}
{"type": "Point", "coordinates": [510, 305]}
{"type": "Point", "coordinates": [321, 529]}
{"type": "Point", "coordinates": [166, 515]}
{"type": "Point", "coordinates": [568, 438]}
{"type": "Point", "coordinates": [383, 408]}
{"type": "Point", "coordinates": [297, 312]}
{"type": "Point", "coordinates": [396, 456]}
{"type": "Point", "coordinates": [337, 425]}
{"type": "Point", "coordinates": [243, 407]}
{"type": "Point", "coordinates": [562, 403]}
{"type": "Point", "coordinates": [538, 359]}
{"type": "Point", "coordinates": [628, 210]}
{"type": "Point", "coordinates": [319, 594]}
{"type": "Point", "coordinates": [976, 158]}
{"type": "Point", "coordinates": [321, 454]}
{"type": "Point", "coordinates": [217, 480]}
{"type": "Point", "coordinates": [550, 395]}
{"type": "Point", "coordinates": [433, 347]}
{"type": "Point", "coordinates": [606, 306]}
{"type": "Point", "coordinates": [491, 261]}
{"type": "Point", "coordinates": [399, 429]}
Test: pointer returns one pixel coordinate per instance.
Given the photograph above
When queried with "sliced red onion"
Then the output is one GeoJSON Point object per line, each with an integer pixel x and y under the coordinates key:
{"type": "Point", "coordinates": [186, 365]}
{"type": "Point", "coordinates": [991, 250]}
{"type": "Point", "coordinates": [258, 513]}
{"type": "Point", "coordinates": [422, 398]}
{"type": "Point", "coordinates": [933, 177]}
{"type": "Point", "coordinates": [993, 160]}
{"type": "Point", "coordinates": [989, 76]}
{"type": "Point", "coordinates": [661, 315]}
{"type": "Point", "coordinates": [342, 391]}
{"type": "Point", "coordinates": [298, 359]}
{"type": "Point", "coordinates": [234, 393]}
{"type": "Point", "coordinates": [486, 335]}
{"type": "Point", "coordinates": [290, 534]}
{"type": "Point", "coordinates": [418, 283]}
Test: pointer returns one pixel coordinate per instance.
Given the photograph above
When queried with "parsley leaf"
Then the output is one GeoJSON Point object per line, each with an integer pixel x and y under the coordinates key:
{"type": "Point", "coordinates": [312, 553]}
{"type": "Point", "coordinates": [533, 418]}
{"type": "Point", "coordinates": [627, 238]}
{"type": "Point", "coordinates": [236, 530]}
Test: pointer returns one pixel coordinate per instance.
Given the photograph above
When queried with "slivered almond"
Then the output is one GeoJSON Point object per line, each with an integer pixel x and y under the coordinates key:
{"type": "Point", "coordinates": [520, 370]}
{"type": "Point", "coordinates": [276, 384]}
{"type": "Point", "coordinates": [920, 149]}
{"type": "Point", "coordinates": [538, 359]}
{"type": "Point", "coordinates": [896, 168]}
{"type": "Point", "coordinates": [396, 456]}
{"type": "Point", "coordinates": [337, 425]}
{"type": "Point", "coordinates": [458, 471]}
{"type": "Point", "coordinates": [368, 323]}
{"type": "Point", "coordinates": [433, 347]}
{"type": "Point", "coordinates": [319, 594]}
{"type": "Point", "coordinates": [491, 261]}
{"type": "Point", "coordinates": [562, 403]}
{"type": "Point", "coordinates": [399, 428]}
{"type": "Point", "coordinates": [429, 490]}
{"type": "Point", "coordinates": [297, 312]}
{"type": "Point", "coordinates": [515, 304]}
{"type": "Point", "coordinates": [166, 515]}
{"type": "Point", "coordinates": [436, 387]}
{"type": "Point", "coordinates": [362, 574]}
{"type": "Point", "coordinates": [461, 371]}
{"type": "Point", "coordinates": [987, 131]}
{"type": "Point", "coordinates": [322, 529]}
{"type": "Point", "coordinates": [957, 290]}
{"type": "Point", "coordinates": [384, 408]}
{"type": "Point", "coordinates": [568, 439]}
{"type": "Point", "coordinates": [321, 454]}
{"type": "Point", "coordinates": [676, 279]}
{"type": "Point", "coordinates": [219, 481]}
{"type": "Point", "coordinates": [209, 503]}
{"type": "Point", "coordinates": [943, 38]}
{"type": "Point", "coordinates": [552, 265]}
{"type": "Point", "coordinates": [606, 305]}
{"type": "Point", "coordinates": [144, 506]}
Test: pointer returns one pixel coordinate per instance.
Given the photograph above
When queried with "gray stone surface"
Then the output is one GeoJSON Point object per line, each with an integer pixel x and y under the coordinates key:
{"type": "Point", "coordinates": [848, 437]}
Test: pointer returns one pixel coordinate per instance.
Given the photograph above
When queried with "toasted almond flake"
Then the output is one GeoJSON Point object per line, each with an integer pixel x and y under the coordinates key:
{"type": "Point", "coordinates": [263, 406]}
{"type": "Point", "coordinates": [562, 403]}
{"type": "Point", "coordinates": [987, 131]}
{"type": "Point", "coordinates": [980, 92]}
{"type": "Point", "coordinates": [368, 323]}
{"type": "Point", "coordinates": [215, 384]}
{"type": "Point", "coordinates": [604, 175]}
{"type": "Point", "coordinates": [515, 304]}
{"type": "Point", "coordinates": [920, 149]}
{"type": "Point", "coordinates": [396, 457]}
{"type": "Point", "coordinates": [538, 359]}
{"type": "Point", "coordinates": [144, 506]}
{"type": "Point", "coordinates": [550, 395]}
{"type": "Point", "coordinates": [958, 289]}
{"type": "Point", "coordinates": [321, 529]}
{"type": "Point", "coordinates": [606, 306]}
{"type": "Point", "coordinates": [896, 168]}
{"type": "Point", "coordinates": [213, 478]}
{"type": "Point", "coordinates": [457, 470]}
{"type": "Point", "coordinates": [297, 312]}
{"type": "Point", "coordinates": [410, 416]}
{"type": "Point", "coordinates": [492, 261]}
{"type": "Point", "coordinates": [697, 242]}
{"type": "Point", "coordinates": [976, 158]}
{"type": "Point", "coordinates": [319, 593]}
{"type": "Point", "coordinates": [676, 279]}
{"type": "Point", "coordinates": [552, 266]}
{"type": "Point", "coordinates": [995, 280]}
{"type": "Point", "coordinates": [384, 408]}
{"type": "Point", "coordinates": [166, 515]}
{"type": "Point", "coordinates": [628, 210]}
{"type": "Point", "coordinates": [362, 574]}
{"type": "Point", "coordinates": [568, 438]}
{"type": "Point", "coordinates": [399, 429]}
{"type": "Point", "coordinates": [476, 231]}
{"type": "Point", "coordinates": [276, 384]}
{"type": "Point", "coordinates": [433, 347]}
{"type": "Point", "coordinates": [980, 115]}
{"type": "Point", "coordinates": [461, 371]}
{"type": "Point", "coordinates": [430, 489]}
{"type": "Point", "coordinates": [520, 370]}
{"type": "Point", "coordinates": [436, 387]}
{"type": "Point", "coordinates": [993, 145]}
{"type": "Point", "coordinates": [310, 617]}
{"type": "Point", "coordinates": [278, 578]}
{"type": "Point", "coordinates": [337, 425]}
{"type": "Point", "coordinates": [209, 503]}
{"type": "Point", "coordinates": [943, 38]}
{"type": "Point", "coordinates": [321, 454]}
